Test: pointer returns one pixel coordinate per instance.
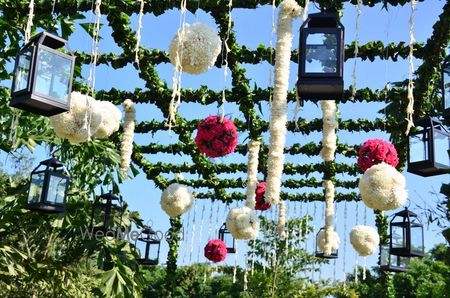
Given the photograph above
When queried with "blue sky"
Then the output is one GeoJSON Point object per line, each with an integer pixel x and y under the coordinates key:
{"type": "Point", "coordinates": [252, 28]}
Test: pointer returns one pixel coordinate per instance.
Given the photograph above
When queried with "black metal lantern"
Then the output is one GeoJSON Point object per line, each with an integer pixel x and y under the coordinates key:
{"type": "Point", "coordinates": [226, 237]}
{"type": "Point", "coordinates": [406, 235]}
{"type": "Point", "coordinates": [105, 208]}
{"type": "Point", "coordinates": [48, 186]}
{"type": "Point", "coordinates": [151, 239]}
{"type": "Point", "coordinates": [319, 253]}
{"type": "Point", "coordinates": [321, 65]}
{"type": "Point", "coordinates": [446, 87]}
{"type": "Point", "coordinates": [427, 148]}
{"type": "Point", "coordinates": [43, 76]}
{"type": "Point", "coordinates": [392, 263]}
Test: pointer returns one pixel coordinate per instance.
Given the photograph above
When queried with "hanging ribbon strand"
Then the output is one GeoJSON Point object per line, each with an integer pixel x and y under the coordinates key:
{"type": "Point", "coordinates": [278, 118]}
{"type": "Point", "coordinates": [410, 107]}
{"type": "Point", "coordinates": [138, 32]}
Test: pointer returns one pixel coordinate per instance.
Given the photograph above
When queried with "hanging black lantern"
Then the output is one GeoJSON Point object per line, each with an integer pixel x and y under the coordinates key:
{"type": "Point", "coordinates": [427, 148]}
{"type": "Point", "coordinates": [319, 253]}
{"type": "Point", "coordinates": [392, 263]}
{"type": "Point", "coordinates": [43, 76]}
{"type": "Point", "coordinates": [227, 238]}
{"type": "Point", "coordinates": [446, 87]}
{"type": "Point", "coordinates": [152, 246]}
{"type": "Point", "coordinates": [321, 65]}
{"type": "Point", "coordinates": [104, 208]}
{"type": "Point", "coordinates": [406, 235]}
{"type": "Point", "coordinates": [48, 186]}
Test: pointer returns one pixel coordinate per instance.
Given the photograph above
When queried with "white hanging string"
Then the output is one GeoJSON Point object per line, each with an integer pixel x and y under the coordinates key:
{"type": "Point", "coordinates": [200, 235]}
{"type": "Point", "coordinates": [305, 11]}
{"type": "Point", "coordinates": [356, 254]}
{"type": "Point", "coordinates": [345, 241]}
{"type": "Point", "coordinates": [176, 79]}
{"type": "Point", "coordinates": [29, 26]}
{"type": "Point", "coordinates": [225, 51]}
{"type": "Point", "coordinates": [138, 32]}
{"type": "Point", "coordinates": [410, 107]}
{"type": "Point", "coordinates": [94, 48]}
{"type": "Point", "coordinates": [185, 240]}
{"type": "Point", "coordinates": [246, 271]}
{"type": "Point", "coordinates": [364, 269]}
{"type": "Point", "coordinates": [313, 245]}
{"type": "Point", "coordinates": [192, 234]}
{"type": "Point", "coordinates": [235, 262]}
{"type": "Point", "coordinates": [209, 231]}
{"type": "Point", "coordinates": [253, 256]}
{"type": "Point", "coordinates": [336, 215]}
{"type": "Point", "coordinates": [358, 16]}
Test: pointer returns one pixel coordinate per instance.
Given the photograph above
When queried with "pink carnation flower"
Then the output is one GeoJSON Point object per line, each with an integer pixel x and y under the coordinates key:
{"type": "Point", "coordinates": [375, 151]}
{"type": "Point", "coordinates": [261, 204]}
{"type": "Point", "coordinates": [216, 138]}
{"type": "Point", "coordinates": [216, 250]}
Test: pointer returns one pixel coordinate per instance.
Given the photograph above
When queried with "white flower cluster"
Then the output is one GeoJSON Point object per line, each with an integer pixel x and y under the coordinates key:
{"type": "Point", "coordinates": [176, 199]}
{"type": "Point", "coordinates": [243, 223]}
{"type": "Point", "coordinates": [126, 147]}
{"type": "Point", "coordinates": [365, 239]}
{"type": "Point", "coordinates": [252, 172]}
{"type": "Point", "coordinates": [382, 187]}
{"type": "Point", "coordinates": [330, 125]}
{"type": "Point", "coordinates": [278, 114]}
{"type": "Point", "coordinates": [87, 117]}
{"type": "Point", "coordinates": [332, 243]}
{"type": "Point", "coordinates": [195, 48]}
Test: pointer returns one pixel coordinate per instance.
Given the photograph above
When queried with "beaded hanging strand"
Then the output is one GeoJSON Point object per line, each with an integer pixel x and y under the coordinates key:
{"type": "Point", "coordinates": [235, 263]}
{"type": "Point", "coordinates": [345, 241]}
{"type": "Point", "coordinates": [138, 32]}
{"type": "Point", "coordinates": [364, 258]}
{"type": "Point", "coordinates": [358, 16]}
{"type": "Point", "coordinates": [185, 240]}
{"type": "Point", "coordinates": [209, 232]}
{"type": "Point", "coordinates": [191, 249]}
{"type": "Point", "coordinates": [410, 107]}
{"type": "Point", "coordinates": [356, 253]}
{"type": "Point", "coordinates": [200, 235]}
{"type": "Point", "coordinates": [226, 49]}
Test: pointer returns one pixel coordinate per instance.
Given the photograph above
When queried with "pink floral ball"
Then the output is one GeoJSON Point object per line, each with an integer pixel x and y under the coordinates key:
{"type": "Point", "coordinates": [216, 250]}
{"type": "Point", "coordinates": [216, 138]}
{"type": "Point", "coordinates": [260, 203]}
{"type": "Point", "coordinates": [375, 151]}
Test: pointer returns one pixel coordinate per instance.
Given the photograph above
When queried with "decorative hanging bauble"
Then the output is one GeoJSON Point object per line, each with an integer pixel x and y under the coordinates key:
{"type": "Point", "coordinates": [176, 199]}
{"type": "Point", "coordinates": [216, 250]}
{"type": "Point", "coordinates": [365, 240]}
{"type": "Point", "coordinates": [216, 137]}
{"type": "Point", "coordinates": [333, 240]}
{"type": "Point", "coordinates": [243, 223]}
{"type": "Point", "coordinates": [382, 187]}
{"type": "Point", "coordinates": [111, 116]}
{"type": "Point", "coordinates": [195, 47]}
{"type": "Point", "coordinates": [375, 151]}
{"type": "Point", "coordinates": [82, 120]}
{"type": "Point", "coordinates": [261, 204]}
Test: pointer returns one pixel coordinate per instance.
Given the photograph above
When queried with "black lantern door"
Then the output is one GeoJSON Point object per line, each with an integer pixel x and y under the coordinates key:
{"type": "Point", "coordinates": [104, 210]}
{"type": "Point", "coordinates": [152, 241]}
{"type": "Point", "coordinates": [428, 148]}
{"type": "Point", "coordinates": [446, 87]}
{"type": "Point", "coordinates": [406, 235]}
{"type": "Point", "coordinates": [43, 76]}
{"type": "Point", "coordinates": [320, 73]}
{"type": "Point", "coordinates": [48, 186]}
{"type": "Point", "coordinates": [319, 253]}
{"type": "Point", "coordinates": [392, 263]}
{"type": "Point", "coordinates": [227, 238]}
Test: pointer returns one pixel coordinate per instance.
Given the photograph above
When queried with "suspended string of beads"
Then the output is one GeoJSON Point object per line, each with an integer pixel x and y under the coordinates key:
{"type": "Point", "coordinates": [246, 272]}
{"type": "Point", "coordinates": [345, 241]}
{"type": "Point", "coordinates": [94, 50]}
{"type": "Point", "coordinates": [293, 232]}
{"type": "Point", "coordinates": [235, 262]}
{"type": "Point", "coordinates": [312, 242]}
{"type": "Point", "coordinates": [356, 253]}
{"type": "Point", "coordinates": [410, 107]}
{"type": "Point", "coordinates": [358, 16]}
{"type": "Point", "coordinates": [335, 223]}
{"type": "Point", "coordinates": [185, 238]}
{"type": "Point", "coordinates": [200, 235]}
{"type": "Point", "coordinates": [211, 209]}
{"type": "Point", "coordinates": [226, 49]}
{"type": "Point", "coordinates": [364, 258]}
{"type": "Point", "coordinates": [192, 233]}
{"type": "Point", "coordinates": [138, 32]}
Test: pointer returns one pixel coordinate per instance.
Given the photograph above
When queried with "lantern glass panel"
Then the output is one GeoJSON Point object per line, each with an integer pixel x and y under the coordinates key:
{"type": "Point", "coordinates": [418, 147]}
{"type": "Point", "coordinates": [22, 74]}
{"type": "Point", "coordinates": [398, 237]}
{"type": "Point", "coordinates": [56, 189]}
{"type": "Point", "coordinates": [321, 53]}
{"type": "Point", "coordinates": [441, 146]}
{"type": "Point", "coordinates": [36, 187]}
{"type": "Point", "coordinates": [53, 75]}
{"type": "Point", "coordinates": [417, 239]}
{"type": "Point", "coordinates": [446, 82]}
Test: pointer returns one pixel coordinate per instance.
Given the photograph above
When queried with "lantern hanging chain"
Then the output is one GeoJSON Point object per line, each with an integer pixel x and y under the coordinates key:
{"type": "Point", "coordinates": [192, 234]}
{"type": "Point", "coordinates": [356, 51]}
{"type": "Point", "coordinates": [200, 237]}
{"type": "Point", "coordinates": [410, 107]}
{"type": "Point", "coordinates": [176, 78]}
{"type": "Point", "coordinates": [138, 33]}
{"type": "Point", "coordinates": [235, 262]}
{"type": "Point", "coordinates": [225, 51]}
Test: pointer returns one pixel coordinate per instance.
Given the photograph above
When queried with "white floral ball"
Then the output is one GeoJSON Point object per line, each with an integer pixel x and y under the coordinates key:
{"type": "Point", "coordinates": [73, 125]}
{"type": "Point", "coordinates": [365, 240]}
{"type": "Point", "coordinates": [176, 199]}
{"type": "Point", "coordinates": [243, 223]}
{"type": "Point", "coordinates": [197, 46]}
{"type": "Point", "coordinates": [111, 117]}
{"type": "Point", "coordinates": [382, 187]}
{"type": "Point", "coordinates": [333, 240]}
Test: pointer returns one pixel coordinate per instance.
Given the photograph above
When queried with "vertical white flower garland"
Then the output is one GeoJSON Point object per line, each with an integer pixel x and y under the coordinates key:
{"type": "Point", "coordinates": [410, 107]}
{"type": "Point", "coordinates": [252, 172]}
{"type": "Point", "coordinates": [281, 219]}
{"type": "Point", "coordinates": [278, 118]}
{"type": "Point", "coordinates": [29, 22]}
{"type": "Point", "coordinates": [126, 147]}
{"type": "Point", "coordinates": [358, 16]}
{"type": "Point", "coordinates": [138, 32]}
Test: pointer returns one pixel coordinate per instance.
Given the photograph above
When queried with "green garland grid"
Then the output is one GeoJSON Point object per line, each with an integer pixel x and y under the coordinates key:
{"type": "Point", "coordinates": [247, 98]}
